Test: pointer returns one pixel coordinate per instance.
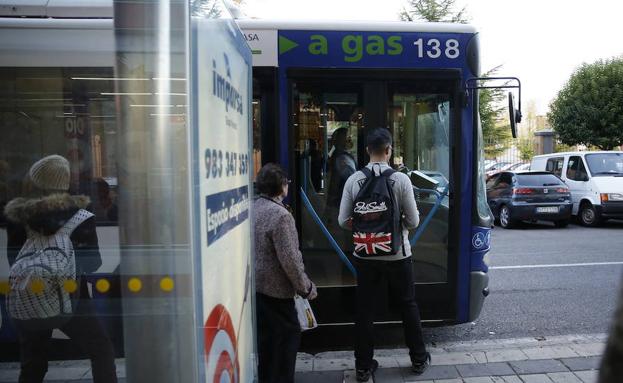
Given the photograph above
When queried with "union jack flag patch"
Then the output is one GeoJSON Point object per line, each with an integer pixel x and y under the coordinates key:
{"type": "Point", "coordinates": [373, 243]}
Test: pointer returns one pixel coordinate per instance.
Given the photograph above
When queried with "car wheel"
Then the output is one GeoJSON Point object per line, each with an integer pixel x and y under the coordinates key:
{"type": "Point", "coordinates": [562, 223]}
{"type": "Point", "coordinates": [588, 215]}
{"type": "Point", "coordinates": [506, 221]}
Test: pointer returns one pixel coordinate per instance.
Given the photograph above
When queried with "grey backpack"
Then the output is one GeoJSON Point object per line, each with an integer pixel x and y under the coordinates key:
{"type": "Point", "coordinates": [44, 274]}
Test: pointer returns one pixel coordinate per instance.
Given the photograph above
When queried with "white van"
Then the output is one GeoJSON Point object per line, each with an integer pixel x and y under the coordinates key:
{"type": "Point", "coordinates": [595, 180]}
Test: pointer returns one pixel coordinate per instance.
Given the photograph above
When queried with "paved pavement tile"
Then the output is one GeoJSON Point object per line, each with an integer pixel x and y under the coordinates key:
{"type": "Point", "coordinates": [535, 378]}
{"type": "Point", "coordinates": [538, 366]}
{"type": "Point", "coordinates": [582, 363]}
{"type": "Point", "coordinates": [388, 375]}
{"type": "Point", "coordinates": [320, 376]}
{"type": "Point", "coordinates": [482, 379]}
{"type": "Point", "coordinates": [433, 372]}
{"type": "Point", "coordinates": [486, 369]}
{"type": "Point", "coordinates": [334, 364]}
{"type": "Point", "coordinates": [507, 379]}
{"type": "Point", "coordinates": [453, 358]}
{"type": "Point", "coordinates": [587, 376]}
{"type": "Point", "coordinates": [564, 377]}
{"type": "Point", "coordinates": [505, 355]}
{"type": "Point", "coordinates": [589, 349]}
{"type": "Point", "coordinates": [304, 365]}
{"type": "Point", "coordinates": [457, 380]}
{"type": "Point", "coordinates": [549, 352]}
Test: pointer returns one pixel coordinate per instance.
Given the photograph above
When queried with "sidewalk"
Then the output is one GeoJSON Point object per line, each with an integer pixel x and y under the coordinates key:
{"type": "Point", "coordinates": [561, 359]}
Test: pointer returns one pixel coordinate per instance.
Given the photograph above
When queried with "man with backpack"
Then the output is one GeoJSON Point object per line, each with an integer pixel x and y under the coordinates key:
{"type": "Point", "coordinates": [52, 242]}
{"type": "Point", "coordinates": [378, 205]}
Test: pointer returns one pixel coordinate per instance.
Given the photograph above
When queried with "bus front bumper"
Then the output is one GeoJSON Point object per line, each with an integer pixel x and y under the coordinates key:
{"type": "Point", "coordinates": [479, 290]}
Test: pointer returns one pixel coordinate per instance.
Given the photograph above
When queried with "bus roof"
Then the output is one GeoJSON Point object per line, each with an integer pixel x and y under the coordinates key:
{"type": "Point", "coordinates": [338, 25]}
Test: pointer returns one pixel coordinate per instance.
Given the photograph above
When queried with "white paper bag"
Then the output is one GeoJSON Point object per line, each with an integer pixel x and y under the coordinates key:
{"type": "Point", "coordinates": [307, 320]}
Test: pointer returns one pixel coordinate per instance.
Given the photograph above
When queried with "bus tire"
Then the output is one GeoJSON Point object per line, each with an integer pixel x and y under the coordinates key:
{"type": "Point", "coordinates": [506, 219]}
{"type": "Point", "coordinates": [588, 215]}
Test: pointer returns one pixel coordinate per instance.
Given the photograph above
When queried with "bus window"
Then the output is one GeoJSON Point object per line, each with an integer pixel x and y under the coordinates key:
{"type": "Point", "coordinates": [421, 123]}
{"type": "Point", "coordinates": [327, 124]}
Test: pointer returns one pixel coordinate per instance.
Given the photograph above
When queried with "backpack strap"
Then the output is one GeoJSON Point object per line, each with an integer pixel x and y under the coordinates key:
{"type": "Point", "coordinates": [366, 172]}
{"type": "Point", "coordinates": [388, 172]}
{"type": "Point", "coordinates": [75, 221]}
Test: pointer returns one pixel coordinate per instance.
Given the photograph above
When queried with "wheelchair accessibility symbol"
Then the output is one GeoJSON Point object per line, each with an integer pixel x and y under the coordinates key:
{"type": "Point", "coordinates": [481, 240]}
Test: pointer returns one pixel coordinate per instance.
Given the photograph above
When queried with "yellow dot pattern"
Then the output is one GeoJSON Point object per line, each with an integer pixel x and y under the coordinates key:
{"type": "Point", "coordinates": [135, 285]}
{"type": "Point", "coordinates": [102, 285]}
{"type": "Point", "coordinates": [70, 285]}
{"type": "Point", "coordinates": [167, 284]}
{"type": "Point", "coordinates": [4, 287]}
{"type": "Point", "coordinates": [37, 286]}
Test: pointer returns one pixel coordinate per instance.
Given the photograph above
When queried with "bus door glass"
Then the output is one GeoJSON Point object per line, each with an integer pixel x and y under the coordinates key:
{"type": "Point", "coordinates": [420, 124]}
{"type": "Point", "coordinates": [327, 122]}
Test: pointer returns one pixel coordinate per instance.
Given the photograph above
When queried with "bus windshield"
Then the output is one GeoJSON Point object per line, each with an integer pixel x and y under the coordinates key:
{"type": "Point", "coordinates": [605, 164]}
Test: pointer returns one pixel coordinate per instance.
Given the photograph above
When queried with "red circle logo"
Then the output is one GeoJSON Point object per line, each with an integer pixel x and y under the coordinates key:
{"type": "Point", "coordinates": [221, 347]}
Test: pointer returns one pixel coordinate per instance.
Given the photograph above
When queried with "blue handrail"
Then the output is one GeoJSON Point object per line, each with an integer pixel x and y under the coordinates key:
{"type": "Point", "coordinates": [326, 233]}
{"type": "Point", "coordinates": [431, 213]}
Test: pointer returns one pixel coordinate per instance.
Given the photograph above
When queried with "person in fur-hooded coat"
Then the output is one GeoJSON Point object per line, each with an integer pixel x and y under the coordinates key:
{"type": "Point", "coordinates": [45, 212]}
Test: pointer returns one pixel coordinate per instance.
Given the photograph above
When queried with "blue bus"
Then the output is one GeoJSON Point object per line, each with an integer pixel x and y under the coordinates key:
{"type": "Point", "coordinates": [318, 87]}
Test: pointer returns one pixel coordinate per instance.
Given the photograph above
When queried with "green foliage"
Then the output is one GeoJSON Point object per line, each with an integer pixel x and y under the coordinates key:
{"type": "Point", "coordinates": [495, 129]}
{"type": "Point", "coordinates": [526, 149]}
{"type": "Point", "coordinates": [433, 11]}
{"type": "Point", "coordinates": [589, 108]}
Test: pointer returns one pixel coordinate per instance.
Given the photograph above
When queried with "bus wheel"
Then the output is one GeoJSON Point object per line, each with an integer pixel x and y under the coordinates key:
{"type": "Point", "coordinates": [506, 221]}
{"type": "Point", "coordinates": [588, 215]}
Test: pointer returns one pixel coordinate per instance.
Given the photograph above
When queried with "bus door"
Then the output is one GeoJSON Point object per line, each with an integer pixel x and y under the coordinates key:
{"type": "Point", "coordinates": [330, 113]}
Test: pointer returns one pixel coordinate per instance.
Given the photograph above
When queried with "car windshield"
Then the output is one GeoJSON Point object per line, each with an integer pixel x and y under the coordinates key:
{"type": "Point", "coordinates": [605, 164]}
{"type": "Point", "coordinates": [538, 180]}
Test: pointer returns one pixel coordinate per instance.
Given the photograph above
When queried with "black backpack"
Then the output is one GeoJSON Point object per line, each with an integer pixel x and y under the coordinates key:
{"type": "Point", "coordinates": [377, 229]}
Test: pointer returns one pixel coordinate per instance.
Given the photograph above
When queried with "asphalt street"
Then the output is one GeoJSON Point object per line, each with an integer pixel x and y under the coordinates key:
{"type": "Point", "coordinates": [572, 290]}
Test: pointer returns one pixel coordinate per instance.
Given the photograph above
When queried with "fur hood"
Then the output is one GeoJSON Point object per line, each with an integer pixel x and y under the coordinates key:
{"type": "Point", "coordinates": [46, 214]}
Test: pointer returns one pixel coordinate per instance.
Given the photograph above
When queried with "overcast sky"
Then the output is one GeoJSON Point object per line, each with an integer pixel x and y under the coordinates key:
{"type": "Point", "coordinates": [539, 41]}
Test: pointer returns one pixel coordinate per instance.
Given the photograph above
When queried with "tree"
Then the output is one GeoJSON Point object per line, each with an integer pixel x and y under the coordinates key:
{"type": "Point", "coordinates": [433, 11]}
{"type": "Point", "coordinates": [495, 129]}
{"type": "Point", "coordinates": [588, 110]}
{"type": "Point", "coordinates": [526, 149]}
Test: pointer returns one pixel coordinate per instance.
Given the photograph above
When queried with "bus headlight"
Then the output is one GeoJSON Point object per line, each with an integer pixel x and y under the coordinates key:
{"type": "Point", "coordinates": [605, 197]}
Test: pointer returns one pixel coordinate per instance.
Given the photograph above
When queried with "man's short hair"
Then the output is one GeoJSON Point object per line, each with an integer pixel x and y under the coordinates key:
{"type": "Point", "coordinates": [378, 140]}
{"type": "Point", "coordinates": [271, 179]}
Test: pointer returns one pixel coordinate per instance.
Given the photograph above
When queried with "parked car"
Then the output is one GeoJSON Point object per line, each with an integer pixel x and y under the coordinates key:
{"type": "Point", "coordinates": [529, 196]}
{"type": "Point", "coordinates": [518, 166]}
{"type": "Point", "coordinates": [496, 168]}
{"type": "Point", "coordinates": [595, 180]}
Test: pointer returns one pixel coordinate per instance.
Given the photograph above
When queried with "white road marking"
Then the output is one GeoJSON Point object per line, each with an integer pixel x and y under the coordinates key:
{"type": "Point", "coordinates": [555, 265]}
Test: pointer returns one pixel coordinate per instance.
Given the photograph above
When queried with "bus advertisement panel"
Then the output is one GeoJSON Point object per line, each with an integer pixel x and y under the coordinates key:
{"type": "Point", "coordinates": [221, 69]}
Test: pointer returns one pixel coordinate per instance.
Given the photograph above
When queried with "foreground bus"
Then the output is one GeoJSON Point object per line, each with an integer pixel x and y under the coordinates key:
{"type": "Point", "coordinates": [63, 93]}
{"type": "Point", "coordinates": [311, 79]}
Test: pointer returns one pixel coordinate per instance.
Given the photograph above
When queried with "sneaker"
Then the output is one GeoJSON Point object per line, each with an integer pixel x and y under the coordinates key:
{"type": "Point", "coordinates": [364, 374]}
{"type": "Point", "coordinates": [418, 367]}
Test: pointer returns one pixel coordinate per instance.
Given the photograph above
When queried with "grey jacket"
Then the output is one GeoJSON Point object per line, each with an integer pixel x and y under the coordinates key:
{"type": "Point", "coordinates": [405, 203]}
{"type": "Point", "coordinates": [279, 269]}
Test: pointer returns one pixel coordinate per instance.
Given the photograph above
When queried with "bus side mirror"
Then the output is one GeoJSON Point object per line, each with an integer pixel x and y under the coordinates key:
{"type": "Point", "coordinates": [514, 114]}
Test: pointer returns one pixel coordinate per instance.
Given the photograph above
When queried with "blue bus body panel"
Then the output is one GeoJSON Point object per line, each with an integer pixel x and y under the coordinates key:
{"type": "Point", "coordinates": [392, 51]}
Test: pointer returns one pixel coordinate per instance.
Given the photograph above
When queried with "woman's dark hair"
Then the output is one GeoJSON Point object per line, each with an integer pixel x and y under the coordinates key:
{"type": "Point", "coordinates": [378, 140]}
{"type": "Point", "coordinates": [270, 180]}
